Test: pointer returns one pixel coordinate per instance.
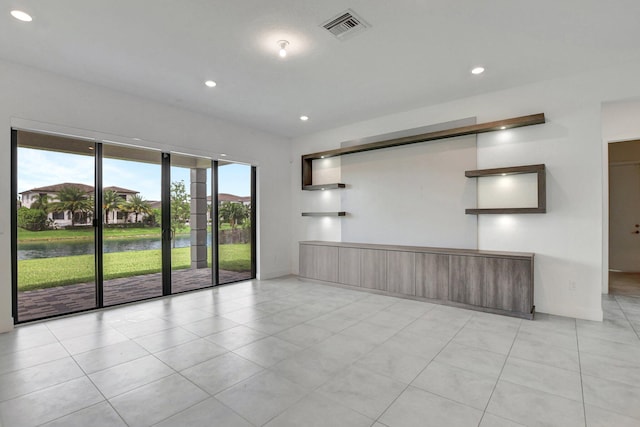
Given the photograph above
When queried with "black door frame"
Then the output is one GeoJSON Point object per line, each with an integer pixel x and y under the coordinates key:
{"type": "Point", "coordinates": [252, 218]}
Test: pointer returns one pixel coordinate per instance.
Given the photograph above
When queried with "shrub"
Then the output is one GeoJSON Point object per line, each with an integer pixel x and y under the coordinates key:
{"type": "Point", "coordinates": [32, 219]}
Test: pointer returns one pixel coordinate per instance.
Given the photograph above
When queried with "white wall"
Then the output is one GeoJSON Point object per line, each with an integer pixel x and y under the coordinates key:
{"type": "Point", "coordinates": [568, 240]}
{"type": "Point", "coordinates": [404, 195]}
{"type": "Point", "coordinates": [39, 100]}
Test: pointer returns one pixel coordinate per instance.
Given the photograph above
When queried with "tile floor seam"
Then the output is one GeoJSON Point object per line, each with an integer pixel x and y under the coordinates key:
{"type": "Point", "coordinates": [209, 396]}
{"type": "Point", "coordinates": [80, 410]}
{"type": "Point", "coordinates": [102, 394]}
{"type": "Point", "coordinates": [108, 367]}
{"type": "Point", "coordinates": [236, 383]}
{"type": "Point", "coordinates": [506, 359]}
{"type": "Point", "coordinates": [544, 364]}
{"type": "Point", "coordinates": [423, 369]}
{"type": "Point", "coordinates": [627, 317]}
{"type": "Point", "coordinates": [609, 409]}
{"type": "Point", "coordinates": [139, 386]}
{"type": "Point", "coordinates": [42, 388]}
{"type": "Point", "coordinates": [584, 404]}
{"type": "Point", "coordinates": [37, 364]}
{"type": "Point", "coordinates": [306, 394]}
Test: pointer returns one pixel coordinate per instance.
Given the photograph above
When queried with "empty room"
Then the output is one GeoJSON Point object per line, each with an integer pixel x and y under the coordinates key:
{"type": "Point", "coordinates": [377, 214]}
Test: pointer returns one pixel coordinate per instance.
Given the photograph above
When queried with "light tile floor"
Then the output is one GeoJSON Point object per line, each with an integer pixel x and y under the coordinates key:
{"type": "Point", "coordinates": [290, 352]}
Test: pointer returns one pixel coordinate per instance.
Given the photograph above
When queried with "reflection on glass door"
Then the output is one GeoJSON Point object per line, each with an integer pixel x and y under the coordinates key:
{"type": "Point", "coordinates": [54, 255]}
{"type": "Point", "coordinates": [191, 239]}
{"type": "Point", "coordinates": [132, 238]}
{"type": "Point", "coordinates": [236, 201]}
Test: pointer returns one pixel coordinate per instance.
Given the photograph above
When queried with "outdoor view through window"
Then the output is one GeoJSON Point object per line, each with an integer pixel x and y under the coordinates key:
{"type": "Point", "coordinates": [56, 232]}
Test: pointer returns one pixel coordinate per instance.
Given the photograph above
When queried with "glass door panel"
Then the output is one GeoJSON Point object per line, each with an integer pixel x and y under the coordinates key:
{"type": "Point", "coordinates": [132, 237]}
{"type": "Point", "coordinates": [55, 236]}
{"type": "Point", "coordinates": [191, 255]}
{"type": "Point", "coordinates": [235, 226]}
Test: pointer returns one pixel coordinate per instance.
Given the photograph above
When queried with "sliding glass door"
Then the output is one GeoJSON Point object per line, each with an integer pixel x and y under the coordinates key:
{"type": "Point", "coordinates": [54, 253]}
{"type": "Point", "coordinates": [190, 228]}
{"type": "Point", "coordinates": [97, 225]}
{"type": "Point", "coordinates": [131, 232]}
{"type": "Point", "coordinates": [236, 222]}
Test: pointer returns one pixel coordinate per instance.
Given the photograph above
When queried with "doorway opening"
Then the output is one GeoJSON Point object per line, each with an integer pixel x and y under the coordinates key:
{"type": "Point", "coordinates": [624, 218]}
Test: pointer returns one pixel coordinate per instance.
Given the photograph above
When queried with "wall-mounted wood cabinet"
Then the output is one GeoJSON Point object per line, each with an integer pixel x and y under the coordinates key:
{"type": "Point", "coordinates": [496, 282]}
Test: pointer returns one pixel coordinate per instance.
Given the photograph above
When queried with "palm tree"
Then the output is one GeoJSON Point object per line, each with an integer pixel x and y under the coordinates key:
{"type": "Point", "coordinates": [41, 201]}
{"type": "Point", "coordinates": [233, 213]}
{"type": "Point", "coordinates": [110, 202]}
{"type": "Point", "coordinates": [74, 200]}
{"type": "Point", "coordinates": [137, 205]}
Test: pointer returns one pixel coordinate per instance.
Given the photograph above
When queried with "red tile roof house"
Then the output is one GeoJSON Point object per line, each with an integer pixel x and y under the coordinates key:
{"type": "Point", "coordinates": [63, 219]}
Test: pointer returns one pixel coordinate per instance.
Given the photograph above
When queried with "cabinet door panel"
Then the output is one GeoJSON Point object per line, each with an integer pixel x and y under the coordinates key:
{"type": "Point", "coordinates": [349, 266]}
{"type": "Point", "coordinates": [306, 258]}
{"type": "Point", "coordinates": [432, 276]}
{"type": "Point", "coordinates": [327, 263]}
{"type": "Point", "coordinates": [508, 284]}
{"type": "Point", "coordinates": [373, 269]}
{"type": "Point", "coordinates": [401, 272]}
{"type": "Point", "coordinates": [466, 277]}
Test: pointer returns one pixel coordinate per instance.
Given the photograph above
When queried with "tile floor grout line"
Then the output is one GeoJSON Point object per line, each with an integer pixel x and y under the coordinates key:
{"type": "Point", "coordinates": [316, 388]}
{"type": "Point", "coordinates": [423, 369]}
{"type": "Point", "coordinates": [584, 404]}
{"type": "Point", "coordinates": [495, 386]}
{"type": "Point", "coordinates": [626, 317]}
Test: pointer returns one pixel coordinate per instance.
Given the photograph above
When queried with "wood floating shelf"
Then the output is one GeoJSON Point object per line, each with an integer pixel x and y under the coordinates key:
{"type": "Point", "coordinates": [540, 170]}
{"type": "Point", "coordinates": [320, 187]}
{"type": "Point", "coordinates": [324, 213]}
{"type": "Point", "coordinates": [307, 159]}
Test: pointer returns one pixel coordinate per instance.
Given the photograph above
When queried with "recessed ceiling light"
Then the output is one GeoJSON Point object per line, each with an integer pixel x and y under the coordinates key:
{"type": "Point", "coordinates": [283, 48]}
{"type": "Point", "coordinates": [477, 70]}
{"type": "Point", "coordinates": [223, 155]}
{"type": "Point", "coordinates": [136, 139]}
{"type": "Point", "coordinates": [21, 16]}
{"type": "Point", "coordinates": [90, 148]}
{"type": "Point", "coordinates": [210, 83]}
{"type": "Point", "coordinates": [503, 127]}
{"type": "Point", "coordinates": [304, 118]}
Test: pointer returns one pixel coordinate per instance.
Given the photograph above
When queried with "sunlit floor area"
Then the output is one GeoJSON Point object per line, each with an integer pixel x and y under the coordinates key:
{"type": "Point", "coordinates": [291, 352]}
{"type": "Point", "coordinates": [621, 283]}
{"type": "Point", "coordinates": [72, 298]}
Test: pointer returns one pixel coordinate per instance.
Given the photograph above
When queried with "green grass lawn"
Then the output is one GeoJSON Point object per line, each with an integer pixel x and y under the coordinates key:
{"type": "Point", "coordinates": [25, 236]}
{"type": "Point", "coordinates": [109, 233]}
{"type": "Point", "coordinates": [51, 272]}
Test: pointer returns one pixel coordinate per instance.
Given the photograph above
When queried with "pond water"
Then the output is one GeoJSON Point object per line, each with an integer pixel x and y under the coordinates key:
{"type": "Point", "coordinates": [71, 248]}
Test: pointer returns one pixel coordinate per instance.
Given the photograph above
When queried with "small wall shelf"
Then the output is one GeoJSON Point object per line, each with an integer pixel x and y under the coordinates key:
{"type": "Point", "coordinates": [324, 213]}
{"type": "Point", "coordinates": [540, 170]}
{"type": "Point", "coordinates": [320, 187]}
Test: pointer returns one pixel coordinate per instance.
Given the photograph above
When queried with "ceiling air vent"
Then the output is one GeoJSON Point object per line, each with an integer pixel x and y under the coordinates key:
{"type": "Point", "coordinates": [345, 25]}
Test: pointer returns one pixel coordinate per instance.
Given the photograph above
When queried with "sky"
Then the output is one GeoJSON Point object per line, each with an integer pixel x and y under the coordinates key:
{"type": "Point", "coordinates": [39, 168]}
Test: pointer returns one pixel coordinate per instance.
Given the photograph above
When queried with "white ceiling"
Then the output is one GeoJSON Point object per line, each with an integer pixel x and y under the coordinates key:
{"type": "Point", "coordinates": [417, 52]}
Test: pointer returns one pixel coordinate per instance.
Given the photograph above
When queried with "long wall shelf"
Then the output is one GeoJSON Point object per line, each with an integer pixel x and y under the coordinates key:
{"type": "Point", "coordinates": [307, 159]}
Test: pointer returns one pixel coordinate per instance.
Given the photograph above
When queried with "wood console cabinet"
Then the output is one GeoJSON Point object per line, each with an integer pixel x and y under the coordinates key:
{"type": "Point", "coordinates": [496, 282]}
